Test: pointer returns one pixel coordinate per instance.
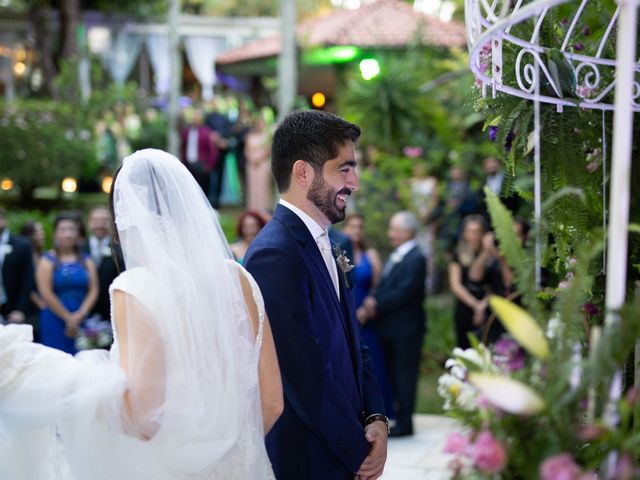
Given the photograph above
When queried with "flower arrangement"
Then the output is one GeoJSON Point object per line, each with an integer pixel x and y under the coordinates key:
{"type": "Point", "coordinates": [530, 410]}
{"type": "Point", "coordinates": [548, 400]}
{"type": "Point", "coordinates": [94, 333]}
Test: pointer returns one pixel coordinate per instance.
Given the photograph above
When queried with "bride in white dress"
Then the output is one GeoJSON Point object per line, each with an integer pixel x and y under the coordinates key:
{"type": "Point", "coordinates": [191, 383]}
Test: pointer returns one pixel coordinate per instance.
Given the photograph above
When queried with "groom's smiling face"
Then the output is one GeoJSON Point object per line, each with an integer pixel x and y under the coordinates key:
{"type": "Point", "coordinates": [332, 185]}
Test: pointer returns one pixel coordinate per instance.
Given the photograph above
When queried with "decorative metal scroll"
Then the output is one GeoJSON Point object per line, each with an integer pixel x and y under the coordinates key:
{"type": "Point", "coordinates": [490, 25]}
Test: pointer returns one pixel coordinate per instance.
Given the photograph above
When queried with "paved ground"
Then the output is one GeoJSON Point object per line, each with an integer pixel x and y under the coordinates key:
{"type": "Point", "coordinates": [420, 456]}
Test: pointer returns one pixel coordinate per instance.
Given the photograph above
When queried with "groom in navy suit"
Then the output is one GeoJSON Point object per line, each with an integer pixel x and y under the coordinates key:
{"type": "Point", "coordinates": [332, 426]}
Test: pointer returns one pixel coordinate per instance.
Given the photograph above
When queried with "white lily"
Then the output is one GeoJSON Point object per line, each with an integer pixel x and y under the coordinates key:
{"type": "Point", "coordinates": [507, 394]}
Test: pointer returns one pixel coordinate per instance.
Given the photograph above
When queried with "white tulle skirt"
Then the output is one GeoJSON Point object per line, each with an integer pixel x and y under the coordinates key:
{"type": "Point", "coordinates": [61, 418]}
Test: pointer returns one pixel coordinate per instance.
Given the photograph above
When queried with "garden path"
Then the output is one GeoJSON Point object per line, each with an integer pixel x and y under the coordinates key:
{"type": "Point", "coordinates": [420, 456]}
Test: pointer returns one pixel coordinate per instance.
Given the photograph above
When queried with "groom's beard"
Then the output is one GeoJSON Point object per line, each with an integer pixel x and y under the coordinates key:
{"type": "Point", "coordinates": [324, 197]}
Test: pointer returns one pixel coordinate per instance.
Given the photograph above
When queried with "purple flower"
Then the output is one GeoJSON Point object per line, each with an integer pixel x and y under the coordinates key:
{"type": "Point", "coordinates": [591, 432]}
{"type": "Point", "coordinates": [488, 454]}
{"type": "Point", "coordinates": [510, 354]}
{"type": "Point", "coordinates": [412, 152]}
{"type": "Point", "coordinates": [90, 332]}
{"type": "Point", "coordinates": [624, 468]}
{"type": "Point", "coordinates": [564, 22]}
{"type": "Point", "coordinates": [633, 395]}
{"type": "Point", "coordinates": [493, 133]}
{"type": "Point", "coordinates": [560, 467]}
{"type": "Point", "coordinates": [578, 47]}
{"type": "Point", "coordinates": [591, 309]}
{"type": "Point", "coordinates": [586, 31]}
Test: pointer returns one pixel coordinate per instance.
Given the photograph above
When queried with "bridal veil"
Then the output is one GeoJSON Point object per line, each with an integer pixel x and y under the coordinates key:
{"type": "Point", "coordinates": [177, 396]}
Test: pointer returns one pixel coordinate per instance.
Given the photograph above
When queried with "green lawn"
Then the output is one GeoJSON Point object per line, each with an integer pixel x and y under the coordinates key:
{"type": "Point", "coordinates": [437, 348]}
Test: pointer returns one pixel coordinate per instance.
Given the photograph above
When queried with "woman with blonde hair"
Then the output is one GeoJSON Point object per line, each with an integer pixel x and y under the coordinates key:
{"type": "Point", "coordinates": [474, 272]}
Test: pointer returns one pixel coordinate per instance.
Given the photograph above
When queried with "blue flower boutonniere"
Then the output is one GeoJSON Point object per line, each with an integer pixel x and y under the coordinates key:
{"type": "Point", "coordinates": [344, 263]}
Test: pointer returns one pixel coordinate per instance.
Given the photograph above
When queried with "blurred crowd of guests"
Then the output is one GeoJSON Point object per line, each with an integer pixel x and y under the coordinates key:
{"type": "Point", "coordinates": [226, 145]}
{"type": "Point", "coordinates": [57, 290]}
{"type": "Point", "coordinates": [445, 239]}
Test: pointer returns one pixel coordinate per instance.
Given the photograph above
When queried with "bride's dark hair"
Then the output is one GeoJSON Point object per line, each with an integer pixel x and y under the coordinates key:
{"type": "Point", "coordinates": [115, 239]}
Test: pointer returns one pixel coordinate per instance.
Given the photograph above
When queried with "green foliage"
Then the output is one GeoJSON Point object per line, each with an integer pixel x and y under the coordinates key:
{"type": "Point", "coordinates": [381, 194]}
{"type": "Point", "coordinates": [514, 252]}
{"type": "Point", "coordinates": [571, 147]}
{"type": "Point", "coordinates": [419, 99]}
{"type": "Point", "coordinates": [389, 106]}
{"type": "Point", "coordinates": [17, 218]}
{"type": "Point", "coordinates": [42, 142]}
{"type": "Point", "coordinates": [575, 382]}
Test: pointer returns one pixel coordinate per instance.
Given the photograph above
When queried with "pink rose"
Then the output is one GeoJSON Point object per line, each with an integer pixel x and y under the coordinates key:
{"type": "Point", "coordinates": [488, 454]}
{"type": "Point", "coordinates": [560, 467]}
{"type": "Point", "coordinates": [456, 443]}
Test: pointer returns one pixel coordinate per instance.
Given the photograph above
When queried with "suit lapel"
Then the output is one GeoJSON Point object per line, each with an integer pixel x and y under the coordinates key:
{"type": "Point", "coordinates": [301, 233]}
{"type": "Point", "coordinates": [353, 335]}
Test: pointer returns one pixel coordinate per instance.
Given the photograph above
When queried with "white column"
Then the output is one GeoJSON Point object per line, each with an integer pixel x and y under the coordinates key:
{"type": "Point", "coordinates": [175, 65]}
{"type": "Point", "coordinates": [287, 61]}
{"type": "Point", "coordinates": [7, 40]}
{"type": "Point", "coordinates": [621, 159]}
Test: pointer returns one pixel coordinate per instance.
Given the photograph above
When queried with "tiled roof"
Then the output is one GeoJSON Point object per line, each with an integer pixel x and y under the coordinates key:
{"type": "Point", "coordinates": [384, 23]}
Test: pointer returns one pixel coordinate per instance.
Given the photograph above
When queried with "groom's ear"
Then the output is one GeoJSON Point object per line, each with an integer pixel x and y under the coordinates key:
{"type": "Point", "coordinates": [302, 173]}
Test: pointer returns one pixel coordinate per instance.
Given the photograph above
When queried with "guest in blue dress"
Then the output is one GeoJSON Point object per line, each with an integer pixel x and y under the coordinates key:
{"type": "Point", "coordinates": [68, 283]}
{"type": "Point", "coordinates": [366, 275]}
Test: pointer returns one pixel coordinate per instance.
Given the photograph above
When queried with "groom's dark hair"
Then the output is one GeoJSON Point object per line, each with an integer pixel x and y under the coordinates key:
{"type": "Point", "coordinates": [309, 135]}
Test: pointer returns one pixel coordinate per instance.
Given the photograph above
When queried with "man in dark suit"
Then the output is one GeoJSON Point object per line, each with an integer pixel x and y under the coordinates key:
{"type": "Point", "coordinates": [16, 279]}
{"type": "Point", "coordinates": [99, 247]}
{"type": "Point", "coordinates": [332, 426]}
{"type": "Point", "coordinates": [197, 150]}
{"type": "Point", "coordinates": [219, 124]}
{"type": "Point", "coordinates": [398, 318]}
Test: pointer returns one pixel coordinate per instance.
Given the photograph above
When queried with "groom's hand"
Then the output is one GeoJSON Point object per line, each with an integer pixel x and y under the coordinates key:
{"type": "Point", "coordinates": [373, 465]}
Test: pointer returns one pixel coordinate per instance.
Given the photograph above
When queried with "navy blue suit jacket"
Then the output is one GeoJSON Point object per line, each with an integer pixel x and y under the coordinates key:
{"type": "Point", "coordinates": [18, 276]}
{"type": "Point", "coordinates": [328, 378]}
{"type": "Point", "coordinates": [400, 298]}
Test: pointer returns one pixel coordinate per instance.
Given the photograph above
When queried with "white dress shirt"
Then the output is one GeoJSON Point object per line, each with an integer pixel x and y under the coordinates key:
{"type": "Point", "coordinates": [98, 247]}
{"type": "Point", "coordinates": [397, 255]}
{"type": "Point", "coordinates": [192, 146]}
{"type": "Point", "coordinates": [321, 236]}
{"type": "Point", "coordinates": [494, 182]}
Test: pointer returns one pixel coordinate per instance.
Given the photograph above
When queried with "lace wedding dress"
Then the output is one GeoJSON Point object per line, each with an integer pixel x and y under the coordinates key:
{"type": "Point", "coordinates": [177, 396]}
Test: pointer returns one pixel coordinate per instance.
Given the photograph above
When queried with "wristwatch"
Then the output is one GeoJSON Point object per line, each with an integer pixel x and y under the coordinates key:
{"type": "Point", "coordinates": [377, 417]}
